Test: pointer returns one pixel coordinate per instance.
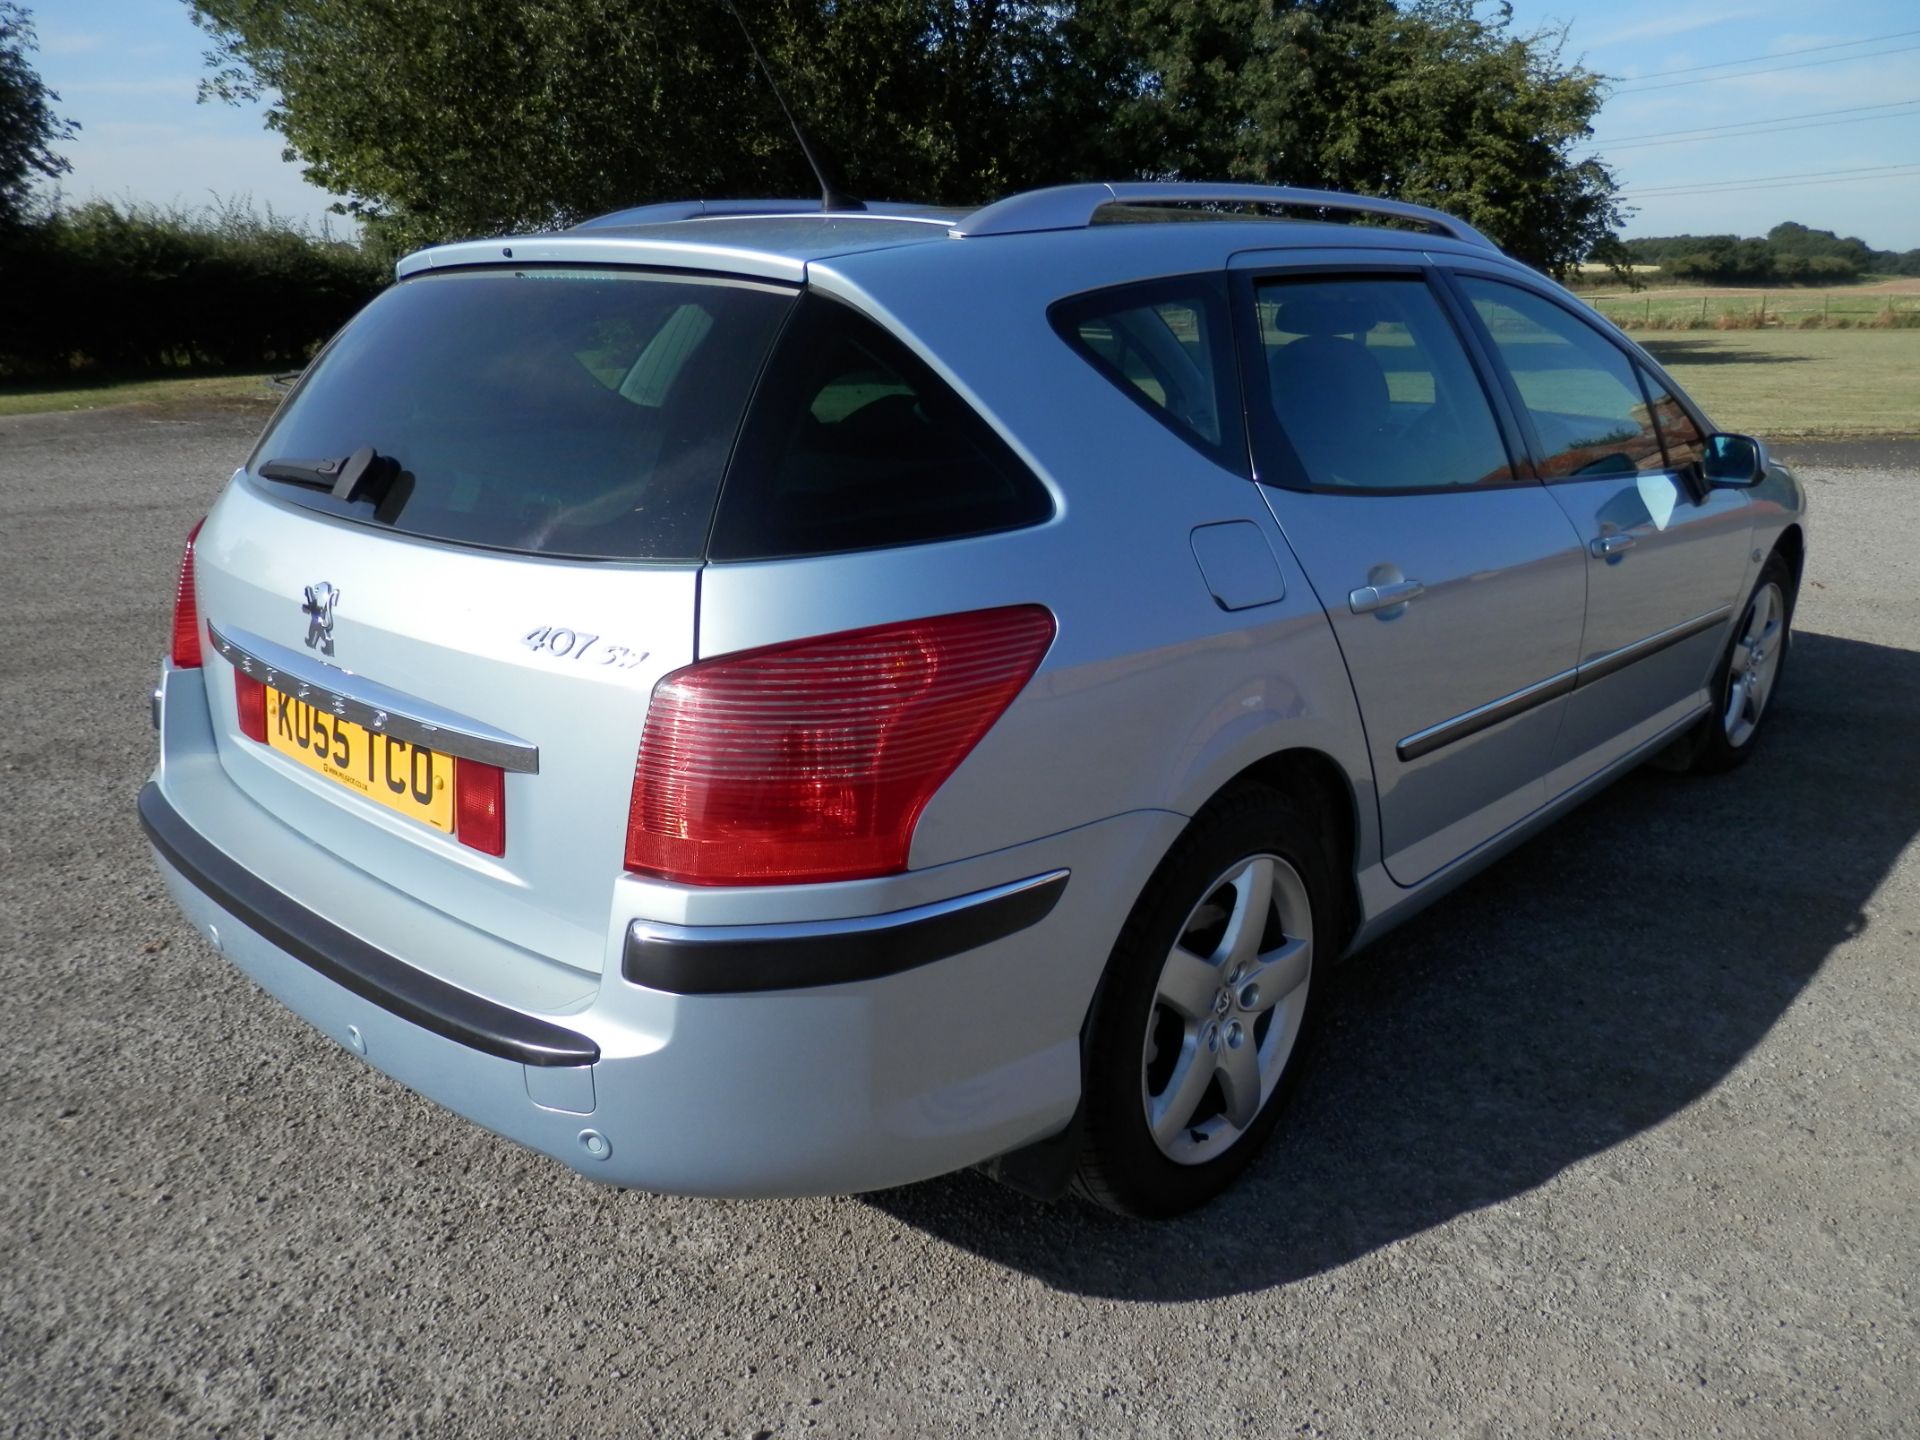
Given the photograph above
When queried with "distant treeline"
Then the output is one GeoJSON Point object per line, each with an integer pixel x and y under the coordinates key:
{"type": "Point", "coordinates": [1788, 254]}
{"type": "Point", "coordinates": [103, 288]}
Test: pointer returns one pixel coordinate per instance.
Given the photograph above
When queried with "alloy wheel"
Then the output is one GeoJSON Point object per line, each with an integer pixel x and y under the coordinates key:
{"type": "Point", "coordinates": [1756, 660]}
{"type": "Point", "coordinates": [1227, 1009]}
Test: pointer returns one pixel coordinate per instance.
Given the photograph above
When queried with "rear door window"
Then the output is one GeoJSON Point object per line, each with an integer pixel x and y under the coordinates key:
{"type": "Point", "coordinates": [1580, 389]}
{"type": "Point", "coordinates": [1372, 389]}
{"type": "Point", "coordinates": [569, 412]}
{"type": "Point", "coordinates": [855, 443]}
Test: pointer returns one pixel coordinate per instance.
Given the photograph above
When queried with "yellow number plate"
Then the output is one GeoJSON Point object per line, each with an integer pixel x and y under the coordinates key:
{"type": "Point", "coordinates": [412, 779]}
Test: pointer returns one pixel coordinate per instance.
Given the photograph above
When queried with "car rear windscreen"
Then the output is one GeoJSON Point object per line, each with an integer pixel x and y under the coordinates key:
{"type": "Point", "coordinates": [558, 412]}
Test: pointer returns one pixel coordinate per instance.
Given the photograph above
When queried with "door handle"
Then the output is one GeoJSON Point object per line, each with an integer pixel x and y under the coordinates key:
{"type": "Point", "coordinates": [1605, 545]}
{"type": "Point", "coordinates": [1369, 598]}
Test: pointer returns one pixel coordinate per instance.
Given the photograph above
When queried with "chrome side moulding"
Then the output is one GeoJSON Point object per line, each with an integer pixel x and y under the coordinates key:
{"type": "Point", "coordinates": [1425, 742]}
{"type": "Point", "coordinates": [1602, 666]}
{"type": "Point", "coordinates": [733, 959]}
{"type": "Point", "coordinates": [366, 702]}
{"type": "Point", "coordinates": [1481, 717]}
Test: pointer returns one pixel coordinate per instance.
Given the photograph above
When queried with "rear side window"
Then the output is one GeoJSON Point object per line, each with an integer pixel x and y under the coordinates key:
{"type": "Point", "coordinates": [1165, 343]}
{"type": "Point", "coordinates": [1370, 385]}
{"type": "Point", "coordinates": [557, 412]}
{"type": "Point", "coordinates": [854, 444]}
{"type": "Point", "coordinates": [1580, 389]}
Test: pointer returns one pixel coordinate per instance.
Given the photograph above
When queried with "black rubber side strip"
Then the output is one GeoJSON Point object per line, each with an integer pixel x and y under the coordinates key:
{"type": "Point", "coordinates": [736, 959]}
{"type": "Point", "coordinates": [350, 962]}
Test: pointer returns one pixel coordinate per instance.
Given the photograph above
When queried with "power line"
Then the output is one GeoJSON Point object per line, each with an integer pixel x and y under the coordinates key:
{"type": "Point", "coordinates": [1770, 130]}
{"type": "Point", "coordinates": [1790, 185]}
{"type": "Point", "coordinates": [1795, 175]}
{"type": "Point", "coordinates": [1755, 74]}
{"type": "Point", "coordinates": [1890, 172]}
{"type": "Point", "coordinates": [1776, 55]}
{"type": "Point", "coordinates": [1622, 142]}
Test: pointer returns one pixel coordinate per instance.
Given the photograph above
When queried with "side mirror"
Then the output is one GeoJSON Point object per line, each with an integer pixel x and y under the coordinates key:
{"type": "Point", "coordinates": [1734, 461]}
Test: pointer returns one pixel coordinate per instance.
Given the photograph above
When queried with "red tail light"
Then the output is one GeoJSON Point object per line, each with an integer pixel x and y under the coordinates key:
{"type": "Point", "coordinates": [186, 610]}
{"type": "Point", "coordinates": [813, 760]}
{"type": "Point", "coordinates": [250, 698]}
{"type": "Point", "coordinates": [480, 806]}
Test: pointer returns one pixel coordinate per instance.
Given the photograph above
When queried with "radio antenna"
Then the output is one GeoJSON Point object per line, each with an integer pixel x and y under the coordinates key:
{"type": "Point", "coordinates": [832, 197]}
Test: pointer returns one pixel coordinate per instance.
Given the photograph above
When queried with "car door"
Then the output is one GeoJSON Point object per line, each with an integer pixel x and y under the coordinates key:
{"type": "Point", "coordinates": [1666, 555]}
{"type": "Point", "coordinates": [1454, 583]}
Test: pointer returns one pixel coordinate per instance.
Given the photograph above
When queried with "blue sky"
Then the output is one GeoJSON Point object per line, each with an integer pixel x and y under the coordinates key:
{"type": "Point", "coordinates": [128, 71]}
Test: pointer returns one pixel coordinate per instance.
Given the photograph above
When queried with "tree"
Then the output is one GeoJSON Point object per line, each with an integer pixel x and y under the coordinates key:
{"type": "Point", "coordinates": [28, 127]}
{"type": "Point", "coordinates": [1424, 102]}
{"type": "Point", "coordinates": [436, 118]}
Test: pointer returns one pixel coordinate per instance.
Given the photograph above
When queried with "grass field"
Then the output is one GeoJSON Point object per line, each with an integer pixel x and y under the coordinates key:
{"type": "Point", "coordinates": [1876, 302]}
{"type": "Point", "coordinates": [1799, 383]}
{"type": "Point", "coordinates": [36, 399]}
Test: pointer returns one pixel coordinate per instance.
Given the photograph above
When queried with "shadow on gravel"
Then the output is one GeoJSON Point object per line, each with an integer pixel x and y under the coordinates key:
{"type": "Point", "coordinates": [1709, 352]}
{"type": "Point", "coordinates": [1608, 974]}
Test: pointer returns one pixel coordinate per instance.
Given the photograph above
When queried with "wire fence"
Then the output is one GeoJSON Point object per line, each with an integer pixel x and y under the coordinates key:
{"type": "Point", "coordinates": [1765, 309]}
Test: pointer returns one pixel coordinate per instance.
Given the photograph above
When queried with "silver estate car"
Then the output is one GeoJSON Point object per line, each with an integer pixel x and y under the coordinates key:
{"type": "Point", "coordinates": [754, 701]}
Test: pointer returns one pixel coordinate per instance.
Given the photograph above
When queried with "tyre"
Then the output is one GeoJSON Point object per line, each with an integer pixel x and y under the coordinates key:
{"type": "Point", "coordinates": [1748, 674]}
{"type": "Point", "coordinates": [1199, 1029]}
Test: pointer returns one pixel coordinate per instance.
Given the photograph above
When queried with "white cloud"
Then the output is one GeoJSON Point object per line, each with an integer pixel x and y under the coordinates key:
{"type": "Point", "coordinates": [1676, 22]}
{"type": "Point", "coordinates": [69, 42]}
{"type": "Point", "coordinates": [185, 86]}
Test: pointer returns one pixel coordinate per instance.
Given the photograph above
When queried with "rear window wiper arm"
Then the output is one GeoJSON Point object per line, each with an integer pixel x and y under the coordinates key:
{"type": "Point", "coordinates": [366, 474]}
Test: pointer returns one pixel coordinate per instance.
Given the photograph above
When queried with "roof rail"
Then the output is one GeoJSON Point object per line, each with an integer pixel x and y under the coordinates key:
{"type": "Point", "coordinates": [1072, 207]}
{"type": "Point", "coordinates": [668, 211]}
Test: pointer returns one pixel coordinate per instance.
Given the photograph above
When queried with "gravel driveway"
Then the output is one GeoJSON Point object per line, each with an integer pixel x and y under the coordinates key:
{"type": "Point", "coordinates": [1619, 1140]}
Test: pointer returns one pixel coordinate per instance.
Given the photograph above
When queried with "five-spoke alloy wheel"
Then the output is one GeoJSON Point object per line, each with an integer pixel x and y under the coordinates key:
{"type": "Point", "coordinates": [1748, 675]}
{"type": "Point", "coordinates": [1227, 1009]}
{"type": "Point", "coordinates": [1203, 1016]}
{"type": "Point", "coordinates": [1755, 662]}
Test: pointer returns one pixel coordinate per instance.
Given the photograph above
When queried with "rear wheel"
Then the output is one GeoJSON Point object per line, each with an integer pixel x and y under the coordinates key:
{"type": "Point", "coordinates": [1199, 1028]}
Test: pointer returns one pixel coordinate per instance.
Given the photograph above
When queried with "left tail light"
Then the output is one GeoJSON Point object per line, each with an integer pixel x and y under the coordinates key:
{"type": "Point", "coordinates": [186, 610]}
{"type": "Point", "coordinates": [250, 700]}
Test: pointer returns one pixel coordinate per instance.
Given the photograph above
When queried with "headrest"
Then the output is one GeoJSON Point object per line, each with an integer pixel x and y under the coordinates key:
{"type": "Point", "coordinates": [1309, 310]}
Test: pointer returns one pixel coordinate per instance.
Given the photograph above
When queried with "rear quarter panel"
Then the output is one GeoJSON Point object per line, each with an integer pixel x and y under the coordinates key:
{"type": "Point", "coordinates": [1152, 697]}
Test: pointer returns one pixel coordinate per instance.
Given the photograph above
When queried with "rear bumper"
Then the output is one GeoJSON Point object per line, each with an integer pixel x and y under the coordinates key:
{"type": "Point", "coordinates": [934, 1036]}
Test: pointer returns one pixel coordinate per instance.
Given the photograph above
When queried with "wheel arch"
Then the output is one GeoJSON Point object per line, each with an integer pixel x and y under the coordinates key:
{"type": "Point", "coordinates": [1791, 546]}
{"type": "Point", "coordinates": [1316, 779]}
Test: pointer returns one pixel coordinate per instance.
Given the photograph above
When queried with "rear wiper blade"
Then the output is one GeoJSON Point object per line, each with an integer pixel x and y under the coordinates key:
{"type": "Point", "coordinates": [320, 474]}
{"type": "Point", "coordinates": [366, 474]}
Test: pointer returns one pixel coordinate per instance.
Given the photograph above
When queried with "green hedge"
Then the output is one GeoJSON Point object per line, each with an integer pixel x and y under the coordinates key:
{"type": "Point", "coordinates": [108, 289]}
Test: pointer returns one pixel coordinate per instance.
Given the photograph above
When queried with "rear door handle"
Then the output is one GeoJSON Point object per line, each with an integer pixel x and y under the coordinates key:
{"type": "Point", "coordinates": [1605, 545]}
{"type": "Point", "coordinates": [1369, 598]}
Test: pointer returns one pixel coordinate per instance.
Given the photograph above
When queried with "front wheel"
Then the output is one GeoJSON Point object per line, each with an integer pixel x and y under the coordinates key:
{"type": "Point", "coordinates": [1748, 673]}
{"type": "Point", "coordinates": [1198, 1030]}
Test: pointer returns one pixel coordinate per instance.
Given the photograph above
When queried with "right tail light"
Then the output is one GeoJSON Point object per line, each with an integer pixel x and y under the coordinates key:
{"type": "Point", "coordinates": [812, 760]}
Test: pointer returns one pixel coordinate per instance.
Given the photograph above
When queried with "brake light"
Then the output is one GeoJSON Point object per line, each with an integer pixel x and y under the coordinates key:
{"type": "Point", "coordinates": [186, 610]}
{"type": "Point", "coordinates": [813, 760]}
{"type": "Point", "coordinates": [250, 699]}
{"type": "Point", "coordinates": [480, 806]}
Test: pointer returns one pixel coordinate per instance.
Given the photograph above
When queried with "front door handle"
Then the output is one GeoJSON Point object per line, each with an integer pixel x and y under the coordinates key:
{"type": "Point", "coordinates": [1370, 598]}
{"type": "Point", "coordinates": [1605, 545]}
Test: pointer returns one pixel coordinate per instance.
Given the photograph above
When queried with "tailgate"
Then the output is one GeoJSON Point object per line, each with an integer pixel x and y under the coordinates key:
{"type": "Point", "coordinates": [561, 655]}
